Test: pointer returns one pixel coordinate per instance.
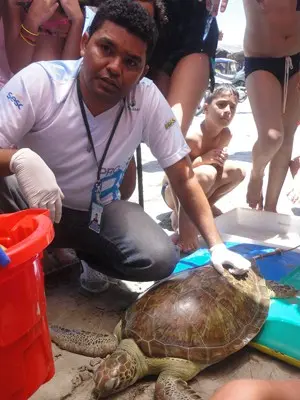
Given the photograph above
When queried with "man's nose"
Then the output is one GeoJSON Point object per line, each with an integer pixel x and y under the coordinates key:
{"type": "Point", "coordinates": [115, 65]}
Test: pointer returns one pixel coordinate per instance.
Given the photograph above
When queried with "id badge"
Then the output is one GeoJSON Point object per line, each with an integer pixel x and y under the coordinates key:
{"type": "Point", "coordinates": [96, 209]}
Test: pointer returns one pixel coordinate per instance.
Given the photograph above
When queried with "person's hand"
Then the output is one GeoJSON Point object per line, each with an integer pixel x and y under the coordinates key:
{"type": "Point", "coordinates": [41, 10]}
{"type": "Point", "coordinates": [37, 182]}
{"type": "Point", "coordinates": [72, 9]}
{"type": "Point", "coordinates": [215, 156]}
{"type": "Point", "coordinates": [221, 256]}
{"type": "Point", "coordinates": [213, 6]}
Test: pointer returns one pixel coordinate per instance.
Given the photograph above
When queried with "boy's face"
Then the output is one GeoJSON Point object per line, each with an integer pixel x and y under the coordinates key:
{"type": "Point", "coordinates": [222, 109]}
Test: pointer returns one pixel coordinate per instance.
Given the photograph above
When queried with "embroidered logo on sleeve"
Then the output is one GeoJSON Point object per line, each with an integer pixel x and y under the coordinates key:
{"type": "Point", "coordinates": [170, 123]}
{"type": "Point", "coordinates": [14, 100]}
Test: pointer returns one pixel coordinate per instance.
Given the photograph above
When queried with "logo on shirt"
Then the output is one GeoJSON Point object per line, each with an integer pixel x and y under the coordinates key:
{"type": "Point", "coordinates": [14, 100]}
{"type": "Point", "coordinates": [170, 123]}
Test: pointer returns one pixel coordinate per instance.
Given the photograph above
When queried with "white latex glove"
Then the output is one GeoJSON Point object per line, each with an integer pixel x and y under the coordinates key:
{"type": "Point", "coordinates": [220, 255]}
{"type": "Point", "coordinates": [37, 182]}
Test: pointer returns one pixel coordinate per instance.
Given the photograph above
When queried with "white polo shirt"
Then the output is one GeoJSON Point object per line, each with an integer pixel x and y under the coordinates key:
{"type": "Point", "coordinates": [39, 109]}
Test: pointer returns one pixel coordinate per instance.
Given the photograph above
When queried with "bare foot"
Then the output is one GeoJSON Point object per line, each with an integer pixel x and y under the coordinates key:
{"type": "Point", "coordinates": [188, 234]}
{"type": "Point", "coordinates": [216, 211]}
{"type": "Point", "coordinates": [254, 193]}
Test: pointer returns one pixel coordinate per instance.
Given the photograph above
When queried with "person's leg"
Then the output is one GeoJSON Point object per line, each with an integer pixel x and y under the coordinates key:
{"type": "Point", "coordinates": [188, 233]}
{"type": "Point", "coordinates": [281, 160]}
{"type": "Point", "coordinates": [295, 166]}
{"type": "Point", "coordinates": [188, 84]}
{"type": "Point", "coordinates": [232, 175]}
{"type": "Point", "coordinates": [265, 95]}
{"type": "Point", "coordinates": [246, 389]}
{"type": "Point", "coordinates": [206, 175]}
{"type": "Point", "coordinates": [130, 246]}
{"type": "Point", "coordinates": [162, 81]}
{"type": "Point", "coordinates": [294, 192]}
{"type": "Point", "coordinates": [11, 198]}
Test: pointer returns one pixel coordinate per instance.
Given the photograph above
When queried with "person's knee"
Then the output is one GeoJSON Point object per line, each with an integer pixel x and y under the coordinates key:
{"type": "Point", "coordinates": [206, 176]}
{"type": "Point", "coordinates": [271, 139]}
{"type": "Point", "coordinates": [166, 258]}
{"type": "Point", "coordinates": [237, 175]}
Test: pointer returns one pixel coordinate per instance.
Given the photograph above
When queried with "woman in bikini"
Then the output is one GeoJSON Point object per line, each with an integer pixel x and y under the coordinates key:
{"type": "Point", "coordinates": [41, 30]}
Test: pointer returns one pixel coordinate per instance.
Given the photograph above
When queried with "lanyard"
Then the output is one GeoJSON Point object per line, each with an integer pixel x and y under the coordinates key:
{"type": "Point", "coordinates": [88, 131]}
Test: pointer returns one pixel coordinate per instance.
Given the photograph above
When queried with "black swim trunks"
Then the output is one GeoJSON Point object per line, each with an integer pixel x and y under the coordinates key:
{"type": "Point", "coordinates": [183, 34]}
{"type": "Point", "coordinates": [276, 66]}
{"type": "Point", "coordinates": [298, 5]}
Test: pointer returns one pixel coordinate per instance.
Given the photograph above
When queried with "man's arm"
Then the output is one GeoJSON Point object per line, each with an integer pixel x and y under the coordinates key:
{"type": "Point", "coordinates": [163, 136]}
{"type": "Point", "coordinates": [21, 104]}
{"type": "Point", "coordinates": [193, 200]}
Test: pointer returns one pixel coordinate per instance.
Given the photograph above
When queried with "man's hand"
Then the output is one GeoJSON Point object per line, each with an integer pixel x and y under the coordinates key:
{"type": "Point", "coordinates": [213, 6]}
{"type": "Point", "coordinates": [215, 156]}
{"type": "Point", "coordinates": [37, 182]}
{"type": "Point", "coordinates": [221, 256]}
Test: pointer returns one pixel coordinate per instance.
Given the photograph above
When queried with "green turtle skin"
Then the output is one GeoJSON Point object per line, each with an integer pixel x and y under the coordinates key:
{"type": "Point", "coordinates": [182, 325]}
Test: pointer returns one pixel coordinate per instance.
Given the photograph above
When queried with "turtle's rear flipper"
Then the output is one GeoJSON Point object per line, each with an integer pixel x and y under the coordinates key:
{"type": "Point", "coordinates": [169, 387]}
{"type": "Point", "coordinates": [88, 344]}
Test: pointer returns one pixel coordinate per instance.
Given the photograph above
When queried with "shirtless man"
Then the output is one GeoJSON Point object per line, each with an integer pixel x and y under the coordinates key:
{"type": "Point", "coordinates": [272, 46]}
{"type": "Point", "coordinates": [216, 175]}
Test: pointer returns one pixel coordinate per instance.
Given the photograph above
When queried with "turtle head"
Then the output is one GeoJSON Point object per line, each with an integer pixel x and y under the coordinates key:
{"type": "Point", "coordinates": [119, 370]}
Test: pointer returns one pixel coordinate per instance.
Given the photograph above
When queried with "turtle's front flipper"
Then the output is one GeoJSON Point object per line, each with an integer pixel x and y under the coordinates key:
{"type": "Point", "coordinates": [169, 387]}
{"type": "Point", "coordinates": [81, 342]}
{"type": "Point", "coordinates": [280, 290]}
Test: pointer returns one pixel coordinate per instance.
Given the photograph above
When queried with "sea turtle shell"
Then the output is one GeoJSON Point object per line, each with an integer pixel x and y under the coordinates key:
{"type": "Point", "coordinates": [198, 315]}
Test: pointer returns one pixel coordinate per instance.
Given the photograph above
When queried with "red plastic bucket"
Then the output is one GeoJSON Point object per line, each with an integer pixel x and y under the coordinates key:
{"type": "Point", "coordinates": [26, 360]}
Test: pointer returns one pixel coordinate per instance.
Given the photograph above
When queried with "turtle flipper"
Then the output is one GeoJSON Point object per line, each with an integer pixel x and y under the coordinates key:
{"type": "Point", "coordinates": [88, 344]}
{"type": "Point", "coordinates": [280, 290]}
{"type": "Point", "coordinates": [169, 387]}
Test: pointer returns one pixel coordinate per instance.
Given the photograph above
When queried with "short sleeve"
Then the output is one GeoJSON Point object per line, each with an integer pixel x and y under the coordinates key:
{"type": "Point", "coordinates": [88, 18]}
{"type": "Point", "coordinates": [162, 132]}
{"type": "Point", "coordinates": [21, 104]}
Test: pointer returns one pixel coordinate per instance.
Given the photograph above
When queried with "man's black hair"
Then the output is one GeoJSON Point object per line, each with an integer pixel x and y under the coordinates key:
{"type": "Point", "coordinates": [129, 15]}
{"type": "Point", "coordinates": [220, 90]}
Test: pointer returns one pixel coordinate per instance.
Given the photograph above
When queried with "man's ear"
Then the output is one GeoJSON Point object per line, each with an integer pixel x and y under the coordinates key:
{"type": "Point", "coordinates": [145, 72]}
{"type": "Point", "coordinates": [84, 41]}
{"type": "Point", "coordinates": [205, 108]}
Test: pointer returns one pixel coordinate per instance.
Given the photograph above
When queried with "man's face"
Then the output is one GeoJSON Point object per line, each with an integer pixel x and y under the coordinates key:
{"type": "Point", "coordinates": [114, 60]}
{"type": "Point", "coordinates": [222, 109]}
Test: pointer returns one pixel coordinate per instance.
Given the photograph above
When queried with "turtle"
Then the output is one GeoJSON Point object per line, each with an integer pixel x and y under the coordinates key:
{"type": "Point", "coordinates": [177, 328]}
